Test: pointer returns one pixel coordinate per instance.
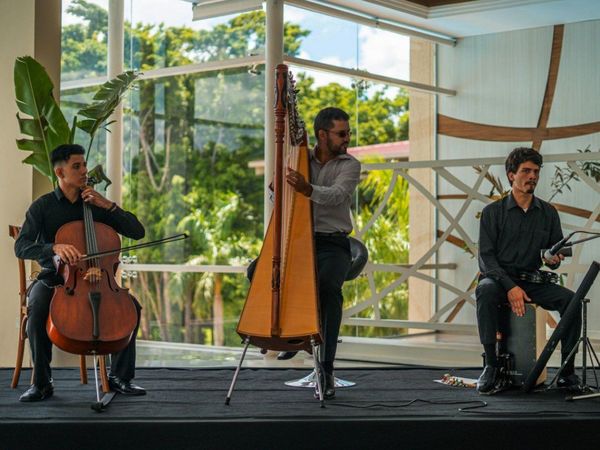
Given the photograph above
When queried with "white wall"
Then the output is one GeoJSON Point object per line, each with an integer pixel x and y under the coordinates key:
{"type": "Point", "coordinates": [501, 79]}
{"type": "Point", "coordinates": [17, 38]}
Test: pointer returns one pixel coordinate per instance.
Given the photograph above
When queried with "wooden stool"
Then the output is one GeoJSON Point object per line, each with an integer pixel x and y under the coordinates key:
{"type": "Point", "coordinates": [13, 231]}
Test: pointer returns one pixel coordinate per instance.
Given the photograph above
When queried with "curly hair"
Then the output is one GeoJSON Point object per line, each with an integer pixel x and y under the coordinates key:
{"type": "Point", "coordinates": [520, 155]}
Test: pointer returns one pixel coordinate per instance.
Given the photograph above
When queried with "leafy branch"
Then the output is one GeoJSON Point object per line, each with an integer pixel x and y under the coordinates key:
{"type": "Point", "coordinates": [106, 100]}
{"type": "Point", "coordinates": [564, 175]}
{"type": "Point", "coordinates": [497, 185]}
{"type": "Point", "coordinates": [43, 122]}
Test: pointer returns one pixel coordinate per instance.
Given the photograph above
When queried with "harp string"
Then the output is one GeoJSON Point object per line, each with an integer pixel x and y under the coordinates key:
{"type": "Point", "coordinates": [291, 156]}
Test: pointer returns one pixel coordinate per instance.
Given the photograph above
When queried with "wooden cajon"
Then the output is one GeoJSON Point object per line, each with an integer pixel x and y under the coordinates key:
{"type": "Point", "coordinates": [525, 338]}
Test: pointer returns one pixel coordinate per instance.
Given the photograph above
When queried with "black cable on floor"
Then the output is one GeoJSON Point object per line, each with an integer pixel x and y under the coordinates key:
{"type": "Point", "coordinates": [474, 404]}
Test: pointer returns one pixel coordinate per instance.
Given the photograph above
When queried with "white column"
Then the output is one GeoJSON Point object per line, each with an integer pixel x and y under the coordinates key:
{"type": "Point", "coordinates": [114, 140]}
{"type": "Point", "coordinates": [422, 148]}
{"type": "Point", "coordinates": [273, 56]}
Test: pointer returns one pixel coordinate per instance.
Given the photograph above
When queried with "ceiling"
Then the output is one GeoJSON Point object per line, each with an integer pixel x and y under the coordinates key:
{"type": "Point", "coordinates": [468, 18]}
{"type": "Point", "coordinates": [454, 18]}
{"type": "Point", "coordinates": [430, 3]}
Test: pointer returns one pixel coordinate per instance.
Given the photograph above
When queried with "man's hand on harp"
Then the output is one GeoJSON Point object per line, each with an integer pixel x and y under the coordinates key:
{"type": "Point", "coordinates": [298, 182]}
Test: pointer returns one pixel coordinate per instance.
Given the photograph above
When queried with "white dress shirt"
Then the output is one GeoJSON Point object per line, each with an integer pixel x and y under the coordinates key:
{"type": "Point", "coordinates": [333, 185]}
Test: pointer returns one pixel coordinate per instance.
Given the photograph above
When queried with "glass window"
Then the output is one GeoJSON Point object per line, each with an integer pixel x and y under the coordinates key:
{"type": "Point", "coordinates": [189, 142]}
{"type": "Point", "coordinates": [83, 60]}
{"type": "Point", "coordinates": [84, 39]}
{"type": "Point", "coordinates": [328, 40]}
{"type": "Point", "coordinates": [383, 52]}
{"type": "Point", "coordinates": [161, 33]}
{"type": "Point", "coordinates": [346, 44]}
{"type": "Point", "coordinates": [194, 142]}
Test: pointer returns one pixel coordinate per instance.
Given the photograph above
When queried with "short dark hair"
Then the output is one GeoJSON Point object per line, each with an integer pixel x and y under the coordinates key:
{"type": "Point", "coordinates": [62, 153]}
{"type": "Point", "coordinates": [325, 118]}
{"type": "Point", "coordinates": [520, 155]}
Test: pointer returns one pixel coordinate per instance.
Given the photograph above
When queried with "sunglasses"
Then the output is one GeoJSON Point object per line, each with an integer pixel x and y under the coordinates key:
{"type": "Point", "coordinates": [341, 134]}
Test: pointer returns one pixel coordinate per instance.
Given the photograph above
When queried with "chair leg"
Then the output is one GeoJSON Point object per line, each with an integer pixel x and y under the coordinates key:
{"type": "Point", "coordinates": [104, 374]}
{"type": "Point", "coordinates": [82, 370]}
{"type": "Point", "coordinates": [20, 351]}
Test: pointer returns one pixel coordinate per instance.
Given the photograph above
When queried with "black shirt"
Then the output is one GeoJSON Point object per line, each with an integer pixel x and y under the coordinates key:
{"type": "Point", "coordinates": [511, 240]}
{"type": "Point", "coordinates": [51, 211]}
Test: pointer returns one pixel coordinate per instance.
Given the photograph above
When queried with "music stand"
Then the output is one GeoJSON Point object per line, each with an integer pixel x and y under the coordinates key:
{"type": "Point", "coordinates": [565, 321]}
{"type": "Point", "coordinates": [587, 391]}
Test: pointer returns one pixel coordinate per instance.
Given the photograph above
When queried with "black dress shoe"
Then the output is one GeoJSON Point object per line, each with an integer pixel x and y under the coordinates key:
{"type": "Point", "coordinates": [329, 390]}
{"type": "Point", "coordinates": [125, 387]}
{"type": "Point", "coordinates": [37, 394]}
{"type": "Point", "coordinates": [286, 355]}
{"type": "Point", "coordinates": [487, 380]}
{"type": "Point", "coordinates": [328, 384]}
{"type": "Point", "coordinates": [570, 382]}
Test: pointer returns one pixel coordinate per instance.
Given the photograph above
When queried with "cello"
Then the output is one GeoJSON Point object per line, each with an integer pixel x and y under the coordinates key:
{"type": "Point", "coordinates": [90, 313]}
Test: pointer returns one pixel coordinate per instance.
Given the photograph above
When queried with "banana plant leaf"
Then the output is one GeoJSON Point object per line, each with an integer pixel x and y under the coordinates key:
{"type": "Point", "coordinates": [45, 125]}
{"type": "Point", "coordinates": [106, 100]}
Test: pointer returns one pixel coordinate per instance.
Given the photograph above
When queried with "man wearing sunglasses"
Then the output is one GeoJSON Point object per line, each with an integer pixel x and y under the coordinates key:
{"type": "Point", "coordinates": [334, 176]}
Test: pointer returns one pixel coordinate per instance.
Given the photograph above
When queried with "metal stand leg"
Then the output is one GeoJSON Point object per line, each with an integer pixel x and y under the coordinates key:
{"type": "Point", "coordinates": [237, 371]}
{"type": "Point", "coordinates": [318, 372]}
{"type": "Point", "coordinates": [101, 403]}
{"type": "Point", "coordinates": [586, 390]}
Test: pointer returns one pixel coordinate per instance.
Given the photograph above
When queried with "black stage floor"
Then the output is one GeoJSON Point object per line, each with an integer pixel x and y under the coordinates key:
{"type": "Point", "coordinates": [388, 408]}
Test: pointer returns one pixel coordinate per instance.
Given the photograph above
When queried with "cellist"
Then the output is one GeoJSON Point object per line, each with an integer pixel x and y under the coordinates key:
{"type": "Point", "coordinates": [36, 241]}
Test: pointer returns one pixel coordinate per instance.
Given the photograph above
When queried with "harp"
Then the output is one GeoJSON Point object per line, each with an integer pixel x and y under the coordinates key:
{"type": "Point", "coordinates": [281, 310]}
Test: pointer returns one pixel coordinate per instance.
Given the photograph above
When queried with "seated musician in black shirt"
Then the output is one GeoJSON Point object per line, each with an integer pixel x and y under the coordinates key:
{"type": "Point", "coordinates": [513, 233]}
{"type": "Point", "coordinates": [36, 241]}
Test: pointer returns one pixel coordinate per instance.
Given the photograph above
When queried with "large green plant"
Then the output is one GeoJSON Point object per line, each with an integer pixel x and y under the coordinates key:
{"type": "Point", "coordinates": [45, 124]}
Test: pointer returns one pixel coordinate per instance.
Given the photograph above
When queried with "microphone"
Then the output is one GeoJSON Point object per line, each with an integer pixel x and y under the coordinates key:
{"type": "Point", "coordinates": [548, 254]}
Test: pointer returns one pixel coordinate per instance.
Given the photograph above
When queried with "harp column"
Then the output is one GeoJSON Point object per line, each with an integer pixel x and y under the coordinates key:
{"type": "Point", "coordinates": [273, 56]}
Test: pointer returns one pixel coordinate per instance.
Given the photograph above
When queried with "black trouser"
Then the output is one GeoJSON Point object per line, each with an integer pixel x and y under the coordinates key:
{"type": "Point", "coordinates": [549, 296]}
{"type": "Point", "coordinates": [333, 263]}
{"type": "Point", "coordinates": [38, 308]}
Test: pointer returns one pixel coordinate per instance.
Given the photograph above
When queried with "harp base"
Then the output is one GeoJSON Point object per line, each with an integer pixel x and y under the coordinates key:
{"type": "Point", "coordinates": [316, 383]}
{"type": "Point", "coordinates": [283, 344]}
{"type": "Point", "coordinates": [310, 381]}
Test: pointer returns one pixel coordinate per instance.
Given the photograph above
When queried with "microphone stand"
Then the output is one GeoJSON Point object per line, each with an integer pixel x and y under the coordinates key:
{"type": "Point", "coordinates": [586, 391]}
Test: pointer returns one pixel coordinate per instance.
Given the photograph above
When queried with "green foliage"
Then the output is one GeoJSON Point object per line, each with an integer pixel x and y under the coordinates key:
{"type": "Point", "coordinates": [564, 175]}
{"type": "Point", "coordinates": [380, 118]}
{"type": "Point", "coordinates": [84, 46]}
{"type": "Point", "coordinates": [46, 127]}
{"type": "Point", "coordinates": [106, 100]}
